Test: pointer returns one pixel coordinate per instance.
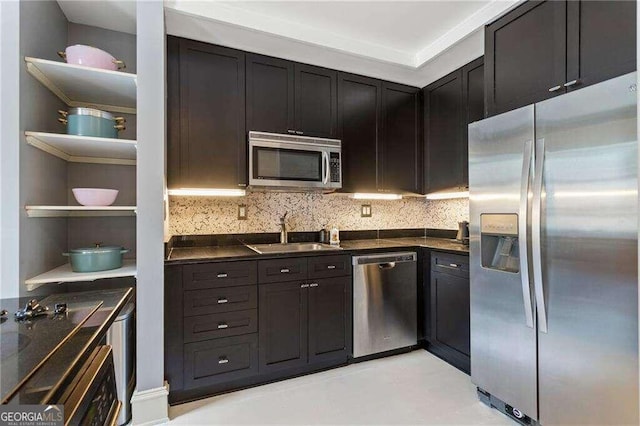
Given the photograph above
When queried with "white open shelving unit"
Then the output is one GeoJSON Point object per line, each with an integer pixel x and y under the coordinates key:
{"type": "Point", "coordinates": [85, 149]}
{"type": "Point", "coordinates": [64, 274]}
{"type": "Point", "coordinates": [79, 211]}
{"type": "Point", "coordinates": [80, 86]}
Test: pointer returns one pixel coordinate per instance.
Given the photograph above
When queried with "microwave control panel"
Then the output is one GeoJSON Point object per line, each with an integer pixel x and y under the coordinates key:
{"type": "Point", "coordinates": [334, 166]}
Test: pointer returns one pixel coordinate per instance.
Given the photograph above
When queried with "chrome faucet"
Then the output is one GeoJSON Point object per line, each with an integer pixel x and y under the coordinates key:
{"type": "Point", "coordinates": [283, 229]}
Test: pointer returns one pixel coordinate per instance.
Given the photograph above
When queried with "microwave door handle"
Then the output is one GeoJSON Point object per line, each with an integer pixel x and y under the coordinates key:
{"type": "Point", "coordinates": [325, 167]}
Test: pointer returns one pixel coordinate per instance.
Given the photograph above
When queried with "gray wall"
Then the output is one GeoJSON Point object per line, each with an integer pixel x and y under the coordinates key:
{"type": "Point", "coordinates": [9, 148]}
{"type": "Point", "coordinates": [43, 31]}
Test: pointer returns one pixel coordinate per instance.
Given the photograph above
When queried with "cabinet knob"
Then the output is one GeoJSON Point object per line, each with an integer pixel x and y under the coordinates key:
{"type": "Point", "coordinates": [554, 88]}
{"type": "Point", "coordinates": [222, 275]}
{"type": "Point", "coordinates": [223, 300]}
{"type": "Point", "coordinates": [223, 360]}
{"type": "Point", "coordinates": [570, 83]}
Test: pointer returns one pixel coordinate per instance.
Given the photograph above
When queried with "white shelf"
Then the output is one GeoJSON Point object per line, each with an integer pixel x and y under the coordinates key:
{"type": "Point", "coordinates": [79, 86]}
{"type": "Point", "coordinates": [85, 149]}
{"type": "Point", "coordinates": [63, 274]}
{"type": "Point", "coordinates": [79, 211]}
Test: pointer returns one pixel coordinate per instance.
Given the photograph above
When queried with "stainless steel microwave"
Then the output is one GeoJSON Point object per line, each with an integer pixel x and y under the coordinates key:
{"type": "Point", "coordinates": [294, 162]}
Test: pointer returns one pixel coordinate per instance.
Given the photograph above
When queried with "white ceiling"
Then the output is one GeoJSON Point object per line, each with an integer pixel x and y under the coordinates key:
{"type": "Point", "coordinates": [403, 41]}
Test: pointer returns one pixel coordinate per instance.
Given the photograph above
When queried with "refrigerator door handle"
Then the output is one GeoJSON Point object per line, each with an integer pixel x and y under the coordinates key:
{"type": "Point", "coordinates": [536, 232]}
{"type": "Point", "coordinates": [522, 232]}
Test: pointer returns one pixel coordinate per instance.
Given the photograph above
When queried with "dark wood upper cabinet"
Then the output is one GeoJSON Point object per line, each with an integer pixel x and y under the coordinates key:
{"type": "Point", "coordinates": [359, 123]}
{"type": "Point", "coordinates": [450, 104]}
{"type": "Point", "coordinates": [316, 101]}
{"type": "Point", "coordinates": [443, 132]}
{"type": "Point", "coordinates": [206, 108]}
{"type": "Point", "coordinates": [525, 53]}
{"type": "Point", "coordinates": [601, 40]}
{"type": "Point", "coordinates": [543, 49]}
{"type": "Point", "coordinates": [473, 104]}
{"type": "Point", "coordinates": [270, 94]}
{"type": "Point", "coordinates": [400, 146]}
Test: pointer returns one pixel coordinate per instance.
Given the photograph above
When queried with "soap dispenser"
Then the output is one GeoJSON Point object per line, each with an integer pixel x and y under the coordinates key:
{"type": "Point", "coordinates": [334, 236]}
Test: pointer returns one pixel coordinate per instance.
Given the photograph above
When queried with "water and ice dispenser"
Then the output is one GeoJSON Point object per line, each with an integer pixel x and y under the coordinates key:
{"type": "Point", "coordinates": [499, 242]}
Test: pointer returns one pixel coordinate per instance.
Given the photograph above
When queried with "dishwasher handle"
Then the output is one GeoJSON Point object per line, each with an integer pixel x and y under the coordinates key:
{"type": "Point", "coordinates": [387, 265]}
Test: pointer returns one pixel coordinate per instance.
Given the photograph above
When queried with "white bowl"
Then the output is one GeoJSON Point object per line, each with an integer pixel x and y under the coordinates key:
{"type": "Point", "coordinates": [95, 196]}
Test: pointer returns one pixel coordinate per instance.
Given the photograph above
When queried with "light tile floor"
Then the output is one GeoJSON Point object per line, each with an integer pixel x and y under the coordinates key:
{"type": "Point", "coordinates": [409, 389]}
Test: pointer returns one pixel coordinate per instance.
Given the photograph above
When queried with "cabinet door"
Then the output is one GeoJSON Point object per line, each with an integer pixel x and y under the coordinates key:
{"type": "Point", "coordinates": [316, 101]}
{"type": "Point", "coordinates": [473, 103]}
{"type": "Point", "coordinates": [329, 319]}
{"type": "Point", "coordinates": [269, 94]}
{"type": "Point", "coordinates": [450, 311]}
{"type": "Point", "coordinates": [400, 149]}
{"type": "Point", "coordinates": [282, 326]}
{"type": "Point", "coordinates": [359, 121]}
{"type": "Point", "coordinates": [444, 138]}
{"type": "Point", "coordinates": [211, 149]}
{"type": "Point", "coordinates": [525, 56]}
{"type": "Point", "coordinates": [601, 41]}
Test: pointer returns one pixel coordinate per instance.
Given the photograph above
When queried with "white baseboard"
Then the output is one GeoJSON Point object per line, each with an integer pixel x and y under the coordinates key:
{"type": "Point", "coordinates": [150, 407]}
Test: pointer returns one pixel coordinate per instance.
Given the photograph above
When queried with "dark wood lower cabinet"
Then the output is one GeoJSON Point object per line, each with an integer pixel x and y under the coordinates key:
{"type": "Point", "coordinates": [218, 360]}
{"type": "Point", "coordinates": [330, 319]}
{"type": "Point", "coordinates": [231, 325]}
{"type": "Point", "coordinates": [283, 325]}
{"type": "Point", "coordinates": [448, 309]}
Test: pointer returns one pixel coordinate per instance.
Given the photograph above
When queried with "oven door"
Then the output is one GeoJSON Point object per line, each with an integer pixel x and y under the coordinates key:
{"type": "Point", "coordinates": [286, 164]}
{"type": "Point", "coordinates": [91, 398]}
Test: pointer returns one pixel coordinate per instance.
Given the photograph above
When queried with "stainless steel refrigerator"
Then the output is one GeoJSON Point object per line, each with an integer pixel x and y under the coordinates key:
{"type": "Point", "coordinates": [554, 258]}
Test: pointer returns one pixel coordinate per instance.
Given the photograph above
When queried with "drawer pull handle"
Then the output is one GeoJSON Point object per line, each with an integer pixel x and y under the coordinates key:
{"type": "Point", "coordinates": [223, 300]}
{"type": "Point", "coordinates": [304, 285]}
{"type": "Point", "coordinates": [313, 285]}
{"type": "Point", "coordinates": [454, 265]}
{"type": "Point", "coordinates": [223, 275]}
{"type": "Point", "coordinates": [223, 360]}
{"type": "Point", "coordinates": [331, 266]}
{"type": "Point", "coordinates": [223, 325]}
{"type": "Point", "coordinates": [554, 88]}
{"type": "Point", "coordinates": [570, 83]}
{"type": "Point", "coordinates": [284, 271]}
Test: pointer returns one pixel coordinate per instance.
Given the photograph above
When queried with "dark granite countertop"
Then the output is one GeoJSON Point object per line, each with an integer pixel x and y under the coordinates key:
{"type": "Point", "coordinates": [47, 383]}
{"type": "Point", "coordinates": [187, 255]}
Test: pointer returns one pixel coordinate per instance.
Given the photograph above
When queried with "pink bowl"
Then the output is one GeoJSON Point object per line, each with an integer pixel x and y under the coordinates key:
{"type": "Point", "coordinates": [89, 56]}
{"type": "Point", "coordinates": [95, 196]}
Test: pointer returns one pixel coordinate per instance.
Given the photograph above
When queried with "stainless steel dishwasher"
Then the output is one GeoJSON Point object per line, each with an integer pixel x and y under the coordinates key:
{"type": "Point", "coordinates": [384, 302]}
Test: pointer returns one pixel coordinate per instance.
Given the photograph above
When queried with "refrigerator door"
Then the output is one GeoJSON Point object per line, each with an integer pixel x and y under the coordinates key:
{"type": "Point", "coordinates": [587, 274]}
{"type": "Point", "coordinates": [503, 340]}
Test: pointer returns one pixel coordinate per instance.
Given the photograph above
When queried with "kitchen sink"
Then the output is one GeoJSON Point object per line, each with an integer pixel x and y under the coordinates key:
{"type": "Point", "coordinates": [290, 247]}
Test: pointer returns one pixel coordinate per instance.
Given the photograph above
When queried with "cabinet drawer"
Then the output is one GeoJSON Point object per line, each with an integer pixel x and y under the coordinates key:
{"type": "Point", "coordinates": [225, 274]}
{"type": "Point", "coordinates": [220, 360]}
{"type": "Point", "coordinates": [224, 299]}
{"type": "Point", "coordinates": [280, 270]}
{"type": "Point", "coordinates": [225, 324]}
{"type": "Point", "coordinates": [447, 263]}
{"type": "Point", "coordinates": [329, 266]}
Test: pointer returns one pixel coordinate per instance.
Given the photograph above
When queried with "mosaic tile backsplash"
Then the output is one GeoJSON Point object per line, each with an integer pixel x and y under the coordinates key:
{"type": "Point", "coordinates": [309, 212]}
